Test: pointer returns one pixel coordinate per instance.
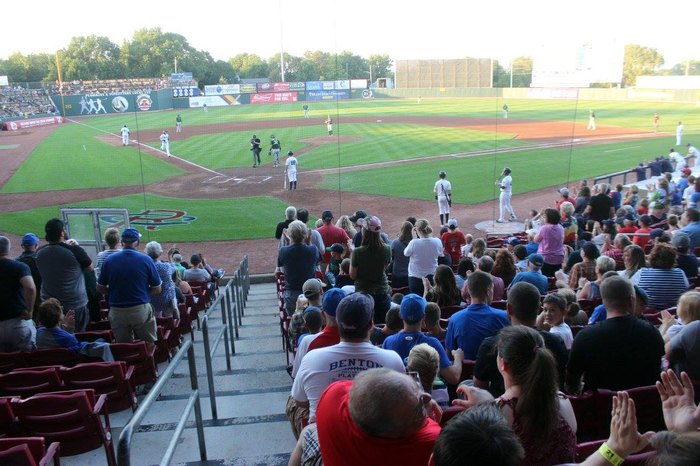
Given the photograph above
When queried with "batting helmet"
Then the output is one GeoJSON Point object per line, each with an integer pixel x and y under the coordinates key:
{"type": "Point", "coordinates": [442, 174]}
{"type": "Point", "coordinates": [290, 153]}
{"type": "Point", "coordinates": [507, 171]}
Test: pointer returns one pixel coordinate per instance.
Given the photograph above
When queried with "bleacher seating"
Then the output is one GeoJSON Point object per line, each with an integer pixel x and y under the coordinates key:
{"type": "Point", "coordinates": [28, 451]}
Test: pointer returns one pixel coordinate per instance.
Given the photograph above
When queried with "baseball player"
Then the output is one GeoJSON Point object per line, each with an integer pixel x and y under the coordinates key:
{"type": "Point", "coordinates": [329, 125]}
{"type": "Point", "coordinates": [657, 119]}
{"type": "Point", "coordinates": [506, 186]}
{"type": "Point", "coordinates": [443, 195]}
{"type": "Point", "coordinates": [505, 111]}
{"type": "Point", "coordinates": [125, 136]}
{"type": "Point", "coordinates": [591, 120]}
{"type": "Point", "coordinates": [275, 147]}
{"type": "Point", "coordinates": [165, 142]}
{"type": "Point", "coordinates": [255, 147]}
{"type": "Point", "coordinates": [679, 133]}
{"type": "Point", "coordinates": [693, 153]}
{"type": "Point", "coordinates": [178, 124]}
{"type": "Point", "coordinates": [291, 170]}
{"type": "Point", "coordinates": [305, 107]}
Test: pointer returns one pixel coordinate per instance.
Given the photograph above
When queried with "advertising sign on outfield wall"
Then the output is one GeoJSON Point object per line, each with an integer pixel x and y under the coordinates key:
{"type": "Point", "coordinates": [273, 98]}
{"type": "Point", "coordinates": [210, 100]}
{"type": "Point", "coordinates": [281, 87]}
{"type": "Point", "coordinates": [358, 84]}
{"type": "Point", "coordinates": [32, 122]}
{"type": "Point", "coordinates": [341, 84]}
{"type": "Point", "coordinates": [222, 89]}
{"type": "Point", "coordinates": [248, 89]}
{"type": "Point", "coordinates": [552, 93]}
{"type": "Point", "coordinates": [327, 95]}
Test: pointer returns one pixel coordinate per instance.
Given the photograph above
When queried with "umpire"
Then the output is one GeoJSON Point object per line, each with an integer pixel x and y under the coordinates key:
{"type": "Point", "coordinates": [255, 147]}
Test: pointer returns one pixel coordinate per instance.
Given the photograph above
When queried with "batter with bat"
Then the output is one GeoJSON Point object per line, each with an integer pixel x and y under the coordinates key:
{"type": "Point", "coordinates": [290, 168]}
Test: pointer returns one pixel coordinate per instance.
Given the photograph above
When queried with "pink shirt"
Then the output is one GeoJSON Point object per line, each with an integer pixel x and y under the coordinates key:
{"type": "Point", "coordinates": [551, 243]}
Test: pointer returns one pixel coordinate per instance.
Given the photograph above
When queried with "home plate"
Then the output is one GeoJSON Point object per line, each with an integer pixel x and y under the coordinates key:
{"type": "Point", "coordinates": [379, 121]}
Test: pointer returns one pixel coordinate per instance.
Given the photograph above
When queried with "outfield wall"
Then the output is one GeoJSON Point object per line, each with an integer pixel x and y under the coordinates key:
{"type": "Point", "coordinates": [122, 102]}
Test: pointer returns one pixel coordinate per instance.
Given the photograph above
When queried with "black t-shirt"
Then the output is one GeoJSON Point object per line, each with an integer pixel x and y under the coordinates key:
{"type": "Point", "coordinates": [641, 173]}
{"type": "Point", "coordinates": [666, 166]}
{"type": "Point", "coordinates": [600, 207]}
{"type": "Point", "coordinates": [280, 227]}
{"type": "Point", "coordinates": [655, 168]}
{"type": "Point", "coordinates": [617, 353]}
{"type": "Point", "coordinates": [688, 263]}
{"type": "Point", "coordinates": [11, 291]}
{"type": "Point", "coordinates": [486, 369]}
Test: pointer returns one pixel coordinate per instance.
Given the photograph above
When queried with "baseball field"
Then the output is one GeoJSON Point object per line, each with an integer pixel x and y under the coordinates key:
{"type": "Point", "coordinates": [384, 157]}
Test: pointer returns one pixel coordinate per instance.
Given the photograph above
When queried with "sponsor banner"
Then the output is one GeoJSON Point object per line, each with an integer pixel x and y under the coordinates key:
{"type": "Point", "coordinates": [297, 86]}
{"type": "Point", "coordinates": [185, 91]}
{"type": "Point", "coordinates": [342, 84]}
{"type": "Point", "coordinates": [273, 97]}
{"type": "Point", "coordinates": [249, 89]}
{"type": "Point", "coordinates": [327, 85]}
{"type": "Point", "coordinates": [209, 100]}
{"type": "Point", "coordinates": [222, 89]}
{"type": "Point", "coordinates": [552, 93]}
{"type": "Point", "coordinates": [327, 95]}
{"type": "Point", "coordinates": [358, 84]}
{"type": "Point", "coordinates": [314, 85]}
{"type": "Point", "coordinates": [181, 77]}
{"type": "Point", "coordinates": [144, 102]}
{"type": "Point", "coordinates": [281, 87]}
{"type": "Point", "coordinates": [33, 122]}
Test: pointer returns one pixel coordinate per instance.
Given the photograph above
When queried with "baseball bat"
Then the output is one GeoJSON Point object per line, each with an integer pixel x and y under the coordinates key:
{"type": "Point", "coordinates": [285, 180]}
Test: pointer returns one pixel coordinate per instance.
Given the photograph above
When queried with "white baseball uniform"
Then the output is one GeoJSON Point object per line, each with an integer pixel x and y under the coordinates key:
{"type": "Point", "coordinates": [504, 206]}
{"type": "Point", "coordinates": [165, 143]}
{"type": "Point", "coordinates": [679, 159]}
{"type": "Point", "coordinates": [441, 190]}
{"type": "Point", "coordinates": [679, 133]}
{"type": "Point", "coordinates": [125, 136]}
{"type": "Point", "coordinates": [693, 152]}
{"type": "Point", "coordinates": [291, 168]}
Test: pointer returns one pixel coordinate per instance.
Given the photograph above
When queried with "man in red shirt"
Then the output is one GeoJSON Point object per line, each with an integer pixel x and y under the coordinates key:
{"type": "Point", "coordinates": [453, 240]}
{"type": "Point", "coordinates": [330, 234]}
{"type": "Point", "coordinates": [643, 231]}
{"type": "Point", "coordinates": [381, 417]}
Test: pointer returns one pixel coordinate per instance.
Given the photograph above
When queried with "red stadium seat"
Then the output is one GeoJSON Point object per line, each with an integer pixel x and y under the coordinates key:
{"type": "Point", "coordinates": [51, 357]}
{"type": "Point", "coordinates": [28, 382]}
{"type": "Point", "coordinates": [113, 379]}
{"type": "Point", "coordinates": [28, 451]}
{"type": "Point", "coordinates": [94, 335]}
{"type": "Point", "coordinates": [137, 354]}
{"type": "Point", "coordinates": [11, 360]}
{"type": "Point", "coordinates": [448, 311]}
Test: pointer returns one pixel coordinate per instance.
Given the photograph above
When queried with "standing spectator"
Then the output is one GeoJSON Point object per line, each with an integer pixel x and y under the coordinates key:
{"type": "Point", "coordinates": [453, 240]}
{"type": "Point", "coordinates": [601, 206]}
{"type": "Point", "coordinates": [550, 239]}
{"type": "Point", "coordinates": [564, 197]}
{"type": "Point", "coordinates": [662, 281]}
{"type": "Point", "coordinates": [129, 278]}
{"type": "Point", "coordinates": [620, 352]}
{"type": "Point", "coordinates": [17, 296]}
{"type": "Point", "coordinates": [298, 262]}
{"type": "Point", "coordinates": [641, 172]}
{"type": "Point", "coordinates": [582, 200]}
{"type": "Point", "coordinates": [399, 262]}
{"type": "Point", "coordinates": [443, 194]}
{"type": "Point", "coordinates": [331, 234]}
{"type": "Point", "coordinates": [29, 244]}
{"type": "Point", "coordinates": [163, 303]}
{"type": "Point", "coordinates": [691, 227]}
{"type": "Point", "coordinates": [423, 253]}
{"type": "Point", "coordinates": [345, 223]}
{"type": "Point", "coordinates": [367, 266]}
{"type": "Point", "coordinates": [290, 213]}
{"type": "Point", "coordinates": [61, 263]}
{"type": "Point", "coordinates": [112, 240]}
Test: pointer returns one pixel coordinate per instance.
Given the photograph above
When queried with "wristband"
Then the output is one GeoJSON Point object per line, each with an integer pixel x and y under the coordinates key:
{"type": "Point", "coordinates": [612, 457]}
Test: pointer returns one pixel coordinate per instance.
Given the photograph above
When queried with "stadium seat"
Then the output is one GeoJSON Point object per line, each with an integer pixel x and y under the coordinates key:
{"type": "Point", "coordinates": [576, 328]}
{"type": "Point", "coordinates": [184, 325]}
{"type": "Point", "coordinates": [592, 410]}
{"type": "Point", "coordinates": [94, 335]}
{"type": "Point", "coordinates": [588, 305]}
{"type": "Point", "coordinates": [162, 353]}
{"type": "Point", "coordinates": [28, 382]}
{"type": "Point", "coordinates": [648, 404]}
{"type": "Point", "coordinates": [11, 360]}
{"type": "Point", "coordinates": [113, 379]}
{"type": "Point", "coordinates": [99, 325]}
{"type": "Point", "coordinates": [28, 451]}
{"type": "Point", "coordinates": [76, 419]}
{"type": "Point", "coordinates": [170, 324]}
{"type": "Point", "coordinates": [51, 357]}
{"type": "Point", "coordinates": [8, 422]}
{"type": "Point", "coordinates": [138, 355]}
{"type": "Point", "coordinates": [449, 413]}
{"type": "Point", "coordinates": [447, 311]}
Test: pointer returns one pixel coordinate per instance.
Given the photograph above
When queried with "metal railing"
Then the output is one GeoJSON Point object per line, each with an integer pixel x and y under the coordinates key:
{"type": "Point", "coordinates": [125, 437]}
{"type": "Point", "coordinates": [210, 348]}
{"type": "Point", "coordinates": [609, 177]}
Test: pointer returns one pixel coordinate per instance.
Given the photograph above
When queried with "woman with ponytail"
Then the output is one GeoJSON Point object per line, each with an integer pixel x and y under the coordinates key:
{"type": "Point", "coordinates": [542, 417]}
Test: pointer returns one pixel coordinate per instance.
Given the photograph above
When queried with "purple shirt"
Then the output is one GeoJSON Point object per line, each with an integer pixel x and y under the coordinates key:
{"type": "Point", "coordinates": [551, 243]}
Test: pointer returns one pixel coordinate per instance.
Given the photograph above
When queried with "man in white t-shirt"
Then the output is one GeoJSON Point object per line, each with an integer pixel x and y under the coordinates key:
{"type": "Point", "coordinates": [443, 194]}
{"type": "Point", "coordinates": [506, 187]}
{"type": "Point", "coordinates": [165, 142]}
{"type": "Point", "coordinates": [343, 361]}
{"type": "Point", "coordinates": [125, 136]}
{"type": "Point", "coordinates": [290, 168]}
{"type": "Point", "coordinates": [678, 158]}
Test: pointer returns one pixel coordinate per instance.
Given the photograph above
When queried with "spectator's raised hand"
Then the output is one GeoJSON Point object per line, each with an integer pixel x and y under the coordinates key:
{"type": "Point", "coordinates": [473, 396]}
{"type": "Point", "coordinates": [678, 402]}
{"type": "Point", "coordinates": [624, 438]}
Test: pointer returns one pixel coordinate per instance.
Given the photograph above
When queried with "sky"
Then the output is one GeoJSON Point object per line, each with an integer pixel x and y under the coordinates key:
{"type": "Point", "coordinates": [500, 29]}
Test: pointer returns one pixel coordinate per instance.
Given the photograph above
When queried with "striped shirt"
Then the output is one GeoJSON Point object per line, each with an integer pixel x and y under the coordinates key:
{"type": "Point", "coordinates": [663, 286]}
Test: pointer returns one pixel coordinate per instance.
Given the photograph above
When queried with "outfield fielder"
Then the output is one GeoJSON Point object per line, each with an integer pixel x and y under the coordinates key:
{"type": "Point", "coordinates": [443, 195]}
{"type": "Point", "coordinates": [178, 124]}
{"type": "Point", "coordinates": [125, 136]}
{"type": "Point", "coordinates": [165, 142]}
{"type": "Point", "coordinates": [329, 125]}
{"type": "Point", "coordinates": [291, 170]}
{"type": "Point", "coordinates": [506, 186]}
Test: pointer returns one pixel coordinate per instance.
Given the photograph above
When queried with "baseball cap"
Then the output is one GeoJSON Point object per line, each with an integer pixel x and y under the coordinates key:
{"type": "Point", "coordinates": [537, 260]}
{"type": "Point", "coordinates": [30, 239]}
{"type": "Point", "coordinates": [358, 214]}
{"type": "Point", "coordinates": [564, 191]}
{"type": "Point", "coordinates": [608, 223]}
{"type": "Point", "coordinates": [687, 171]}
{"type": "Point", "coordinates": [629, 217]}
{"type": "Point", "coordinates": [355, 311]}
{"type": "Point", "coordinates": [680, 240]}
{"type": "Point", "coordinates": [312, 316]}
{"type": "Point", "coordinates": [130, 235]}
{"type": "Point", "coordinates": [312, 287]}
{"type": "Point", "coordinates": [513, 241]}
{"type": "Point", "coordinates": [337, 247]}
{"type": "Point", "coordinates": [372, 223]}
{"type": "Point", "coordinates": [641, 294]}
{"type": "Point", "coordinates": [331, 298]}
{"type": "Point", "coordinates": [412, 308]}
{"type": "Point", "coordinates": [327, 214]}
{"type": "Point", "coordinates": [590, 250]}
{"type": "Point", "coordinates": [655, 233]}
{"type": "Point", "coordinates": [289, 152]}
{"type": "Point", "coordinates": [452, 223]}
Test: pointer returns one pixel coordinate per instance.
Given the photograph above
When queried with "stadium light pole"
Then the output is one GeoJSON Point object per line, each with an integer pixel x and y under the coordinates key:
{"type": "Point", "coordinates": [281, 43]}
{"type": "Point", "coordinates": [511, 73]}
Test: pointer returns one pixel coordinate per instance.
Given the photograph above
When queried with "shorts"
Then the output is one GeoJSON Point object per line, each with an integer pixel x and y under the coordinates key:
{"type": "Point", "coordinates": [135, 322]}
{"type": "Point", "coordinates": [298, 417]}
{"type": "Point", "coordinates": [16, 335]}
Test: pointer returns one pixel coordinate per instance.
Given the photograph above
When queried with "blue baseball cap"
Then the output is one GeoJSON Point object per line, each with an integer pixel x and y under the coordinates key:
{"type": "Point", "coordinates": [130, 235]}
{"type": "Point", "coordinates": [537, 260]}
{"type": "Point", "coordinates": [331, 298]}
{"type": "Point", "coordinates": [412, 307]}
{"type": "Point", "coordinates": [30, 239]}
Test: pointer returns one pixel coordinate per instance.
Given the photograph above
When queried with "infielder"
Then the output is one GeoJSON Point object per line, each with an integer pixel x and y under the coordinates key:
{"type": "Point", "coordinates": [591, 120]}
{"type": "Point", "coordinates": [178, 124]}
{"type": "Point", "coordinates": [255, 147]}
{"type": "Point", "coordinates": [679, 133]}
{"type": "Point", "coordinates": [275, 147]}
{"type": "Point", "coordinates": [506, 186]}
{"type": "Point", "coordinates": [165, 142]}
{"type": "Point", "coordinates": [329, 125]}
{"type": "Point", "coordinates": [125, 136]}
{"type": "Point", "coordinates": [443, 195]}
{"type": "Point", "coordinates": [291, 170]}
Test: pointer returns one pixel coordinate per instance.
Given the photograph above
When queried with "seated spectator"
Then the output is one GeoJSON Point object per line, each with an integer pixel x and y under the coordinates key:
{"type": "Point", "coordinates": [412, 312]}
{"type": "Point", "coordinates": [688, 310]}
{"type": "Point", "coordinates": [591, 289]}
{"type": "Point", "coordinates": [552, 318]}
{"type": "Point", "coordinates": [520, 253]}
{"type": "Point", "coordinates": [313, 322]}
{"type": "Point", "coordinates": [584, 269]}
{"type": "Point", "coordinates": [504, 266]}
{"type": "Point", "coordinates": [445, 291]}
{"type": "Point", "coordinates": [634, 259]}
{"type": "Point", "coordinates": [533, 275]}
{"type": "Point", "coordinates": [640, 303]}
{"type": "Point", "coordinates": [465, 267]}
{"type": "Point", "coordinates": [620, 352]}
{"type": "Point", "coordinates": [615, 249]}
{"type": "Point", "coordinates": [661, 281]}
{"type": "Point", "coordinates": [683, 349]}
{"type": "Point", "coordinates": [216, 274]}
{"type": "Point", "coordinates": [641, 237]}
{"type": "Point", "coordinates": [628, 225]}
{"type": "Point", "coordinates": [112, 238]}
{"type": "Point", "coordinates": [485, 264]}
{"type": "Point", "coordinates": [425, 361]}
{"type": "Point", "coordinates": [685, 259]}
{"type": "Point", "coordinates": [478, 249]}
{"type": "Point", "coordinates": [466, 249]}
{"type": "Point", "coordinates": [181, 285]}
{"type": "Point", "coordinates": [604, 232]}
{"type": "Point", "coordinates": [392, 325]}
{"type": "Point", "coordinates": [691, 223]}
{"type": "Point", "coordinates": [336, 258]}
{"type": "Point", "coordinates": [344, 278]}
{"type": "Point", "coordinates": [673, 224]}
{"type": "Point", "coordinates": [197, 273]}
{"type": "Point", "coordinates": [375, 418]}
{"type": "Point", "coordinates": [53, 335]}
{"type": "Point", "coordinates": [632, 197]}
{"type": "Point", "coordinates": [574, 314]}
{"type": "Point", "coordinates": [178, 265]}
{"type": "Point", "coordinates": [468, 327]}
{"type": "Point", "coordinates": [432, 321]}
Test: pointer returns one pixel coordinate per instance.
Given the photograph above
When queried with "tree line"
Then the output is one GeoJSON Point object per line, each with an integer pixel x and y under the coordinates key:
{"type": "Point", "coordinates": [153, 53]}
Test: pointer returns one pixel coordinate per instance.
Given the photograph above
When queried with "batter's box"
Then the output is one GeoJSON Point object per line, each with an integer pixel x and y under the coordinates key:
{"type": "Point", "coordinates": [236, 180]}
